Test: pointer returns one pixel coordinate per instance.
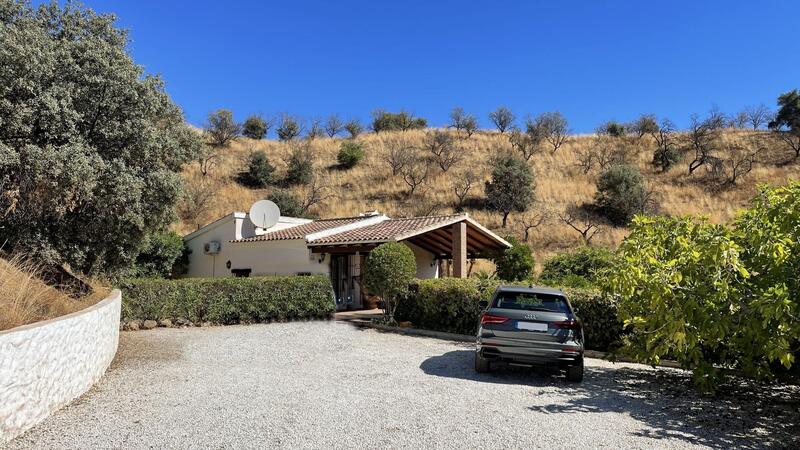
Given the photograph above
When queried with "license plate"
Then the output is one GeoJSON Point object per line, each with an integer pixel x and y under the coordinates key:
{"type": "Point", "coordinates": [532, 326]}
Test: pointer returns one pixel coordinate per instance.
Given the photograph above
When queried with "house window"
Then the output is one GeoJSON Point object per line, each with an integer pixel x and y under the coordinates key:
{"type": "Point", "coordinates": [241, 272]}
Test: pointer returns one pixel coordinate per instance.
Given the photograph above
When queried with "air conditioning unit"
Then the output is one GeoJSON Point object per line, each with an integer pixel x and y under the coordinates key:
{"type": "Point", "coordinates": [211, 248]}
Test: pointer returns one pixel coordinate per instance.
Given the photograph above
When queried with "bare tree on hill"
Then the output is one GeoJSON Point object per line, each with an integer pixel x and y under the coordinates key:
{"type": "Point", "coordinates": [442, 148]}
{"type": "Point", "coordinates": [502, 118]}
{"type": "Point", "coordinates": [758, 116]}
{"type": "Point", "coordinates": [582, 221]}
{"type": "Point", "coordinates": [334, 125]}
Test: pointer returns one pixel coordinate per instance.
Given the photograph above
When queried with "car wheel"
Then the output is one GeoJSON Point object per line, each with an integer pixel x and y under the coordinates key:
{"type": "Point", "coordinates": [481, 363]}
{"type": "Point", "coordinates": [575, 373]}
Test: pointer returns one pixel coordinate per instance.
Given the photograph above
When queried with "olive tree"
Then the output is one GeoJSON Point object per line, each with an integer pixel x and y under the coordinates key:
{"type": "Point", "coordinates": [621, 194]}
{"type": "Point", "coordinates": [511, 187]}
{"type": "Point", "coordinates": [288, 128]}
{"type": "Point", "coordinates": [91, 147]}
{"type": "Point", "coordinates": [388, 271]}
{"type": "Point", "coordinates": [256, 127]}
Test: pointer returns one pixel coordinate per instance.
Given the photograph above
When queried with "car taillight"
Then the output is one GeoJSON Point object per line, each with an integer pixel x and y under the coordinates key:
{"type": "Point", "coordinates": [571, 324]}
{"type": "Point", "coordinates": [488, 318]}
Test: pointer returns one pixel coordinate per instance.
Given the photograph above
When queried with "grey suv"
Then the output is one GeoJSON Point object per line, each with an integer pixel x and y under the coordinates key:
{"type": "Point", "coordinates": [530, 326]}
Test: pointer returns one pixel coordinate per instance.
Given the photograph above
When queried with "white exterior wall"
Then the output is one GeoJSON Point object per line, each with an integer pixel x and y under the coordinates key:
{"type": "Point", "coordinates": [275, 258]}
{"type": "Point", "coordinates": [46, 365]}
{"type": "Point", "coordinates": [262, 257]}
{"type": "Point", "coordinates": [426, 263]}
{"type": "Point", "coordinates": [202, 265]}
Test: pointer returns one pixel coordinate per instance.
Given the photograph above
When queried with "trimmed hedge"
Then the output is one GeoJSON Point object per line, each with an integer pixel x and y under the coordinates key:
{"type": "Point", "coordinates": [451, 305]}
{"type": "Point", "coordinates": [228, 300]}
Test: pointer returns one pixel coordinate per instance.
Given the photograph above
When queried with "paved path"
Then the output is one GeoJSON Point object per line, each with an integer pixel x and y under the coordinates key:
{"type": "Point", "coordinates": [329, 384]}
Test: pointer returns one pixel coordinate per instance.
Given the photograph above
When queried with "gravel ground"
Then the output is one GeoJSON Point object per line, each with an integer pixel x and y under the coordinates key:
{"type": "Point", "coordinates": [328, 384]}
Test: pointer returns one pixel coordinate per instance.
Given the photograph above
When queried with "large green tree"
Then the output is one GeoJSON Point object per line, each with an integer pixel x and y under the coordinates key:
{"type": "Point", "coordinates": [90, 146]}
{"type": "Point", "coordinates": [787, 121]}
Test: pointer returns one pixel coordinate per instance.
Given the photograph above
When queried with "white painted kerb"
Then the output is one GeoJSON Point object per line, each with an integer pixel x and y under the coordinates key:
{"type": "Point", "coordinates": [46, 365]}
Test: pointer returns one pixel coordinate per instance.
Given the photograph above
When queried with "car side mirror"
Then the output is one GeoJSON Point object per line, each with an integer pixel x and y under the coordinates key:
{"type": "Point", "coordinates": [483, 304]}
{"type": "Point", "coordinates": [576, 310]}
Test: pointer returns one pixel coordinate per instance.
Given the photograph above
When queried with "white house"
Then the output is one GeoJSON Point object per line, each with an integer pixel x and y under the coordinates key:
{"type": "Point", "coordinates": [234, 246]}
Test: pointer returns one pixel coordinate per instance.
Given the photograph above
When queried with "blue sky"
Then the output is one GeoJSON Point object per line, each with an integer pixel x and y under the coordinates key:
{"type": "Point", "coordinates": [591, 60]}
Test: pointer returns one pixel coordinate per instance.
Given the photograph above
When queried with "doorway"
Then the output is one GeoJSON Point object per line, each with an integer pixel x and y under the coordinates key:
{"type": "Point", "coordinates": [346, 280]}
{"type": "Point", "coordinates": [340, 278]}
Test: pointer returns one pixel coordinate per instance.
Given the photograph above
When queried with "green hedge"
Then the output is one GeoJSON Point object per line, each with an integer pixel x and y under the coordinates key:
{"type": "Point", "coordinates": [228, 300]}
{"type": "Point", "coordinates": [451, 305]}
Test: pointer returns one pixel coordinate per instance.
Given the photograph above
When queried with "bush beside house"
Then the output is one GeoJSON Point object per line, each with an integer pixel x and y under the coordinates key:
{"type": "Point", "coordinates": [228, 300]}
{"type": "Point", "coordinates": [451, 305]}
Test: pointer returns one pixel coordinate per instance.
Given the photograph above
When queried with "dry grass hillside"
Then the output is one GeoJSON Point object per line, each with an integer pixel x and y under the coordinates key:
{"type": "Point", "coordinates": [560, 182]}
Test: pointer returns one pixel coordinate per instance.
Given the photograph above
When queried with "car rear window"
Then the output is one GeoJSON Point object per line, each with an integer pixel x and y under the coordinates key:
{"type": "Point", "coordinates": [530, 301]}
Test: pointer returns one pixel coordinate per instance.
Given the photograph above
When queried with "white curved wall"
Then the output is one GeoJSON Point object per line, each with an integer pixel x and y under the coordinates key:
{"type": "Point", "coordinates": [46, 365]}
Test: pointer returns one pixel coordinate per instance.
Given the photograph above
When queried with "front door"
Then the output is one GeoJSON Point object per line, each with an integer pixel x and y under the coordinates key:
{"type": "Point", "coordinates": [340, 278]}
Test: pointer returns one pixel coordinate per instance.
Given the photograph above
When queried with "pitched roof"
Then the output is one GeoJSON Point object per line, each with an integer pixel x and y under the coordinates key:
{"type": "Point", "coordinates": [392, 229]}
{"type": "Point", "coordinates": [301, 231]}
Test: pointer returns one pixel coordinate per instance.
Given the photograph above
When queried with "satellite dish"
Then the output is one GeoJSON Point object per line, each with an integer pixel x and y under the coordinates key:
{"type": "Point", "coordinates": [264, 213]}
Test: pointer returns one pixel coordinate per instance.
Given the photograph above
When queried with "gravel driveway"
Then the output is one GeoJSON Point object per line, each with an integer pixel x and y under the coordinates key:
{"type": "Point", "coordinates": [328, 384]}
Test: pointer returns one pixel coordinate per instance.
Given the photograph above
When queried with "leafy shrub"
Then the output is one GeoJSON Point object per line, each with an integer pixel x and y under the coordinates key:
{"type": "Point", "coordinates": [260, 172]}
{"type": "Point", "coordinates": [515, 263]}
{"type": "Point", "coordinates": [350, 153]}
{"type": "Point", "coordinates": [228, 300]}
{"type": "Point", "coordinates": [443, 304]}
{"type": "Point", "coordinates": [715, 295]}
{"type": "Point", "coordinates": [583, 263]}
{"type": "Point", "coordinates": [613, 129]}
{"type": "Point", "coordinates": [300, 166]}
{"type": "Point", "coordinates": [288, 128]}
{"type": "Point", "coordinates": [451, 305]}
{"type": "Point", "coordinates": [679, 281]}
{"type": "Point", "coordinates": [666, 156]}
{"type": "Point", "coordinates": [769, 234]}
{"type": "Point", "coordinates": [402, 121]}
{"type": "Point", "coordinates": [163, 255]}
{"type": "Point", "coordinates": [389, 269]}
{"type": "Point", "coordinates": [621, 194]}
{"type": "Point", "coordinates": [255, 127]}
{"type": "Point", "coordinates": [288, 203]}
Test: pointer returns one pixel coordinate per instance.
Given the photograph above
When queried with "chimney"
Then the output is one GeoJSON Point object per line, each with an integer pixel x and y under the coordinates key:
{"type": "Point", "coordinates": [238, 220]}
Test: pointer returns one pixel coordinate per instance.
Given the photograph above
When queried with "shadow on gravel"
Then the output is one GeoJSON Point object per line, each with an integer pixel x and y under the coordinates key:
{"type": "Point", "coordinates": [147, 347]}
{"type": "Point", "coordinates": [743, 414]}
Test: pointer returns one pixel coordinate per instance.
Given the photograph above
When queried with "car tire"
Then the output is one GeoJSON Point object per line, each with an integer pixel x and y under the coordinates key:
{"type": "Point", "coordinates": [481, 364]}
{"type": "Point", "coordinates": [575, 373]}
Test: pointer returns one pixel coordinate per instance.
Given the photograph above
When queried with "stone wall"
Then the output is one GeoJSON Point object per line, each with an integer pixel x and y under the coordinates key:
{"type": "Point", "coordinates": [46, 365]}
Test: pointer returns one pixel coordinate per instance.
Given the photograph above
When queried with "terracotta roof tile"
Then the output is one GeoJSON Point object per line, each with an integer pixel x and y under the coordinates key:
{"type": "Point", "coordinates": [301, 231]}
{"type": "Point", "coordinates": [387, 230]}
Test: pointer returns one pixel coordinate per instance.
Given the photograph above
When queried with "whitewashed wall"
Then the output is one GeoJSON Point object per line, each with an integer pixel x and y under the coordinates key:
{"type": "Point", "coordinates": [426, 262]}
{"type": "Point", "coordinates": [46, 365]}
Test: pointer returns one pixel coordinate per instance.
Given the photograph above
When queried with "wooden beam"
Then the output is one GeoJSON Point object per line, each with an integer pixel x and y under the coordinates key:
{"type": "Point", "coordinates": [460, 250]}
